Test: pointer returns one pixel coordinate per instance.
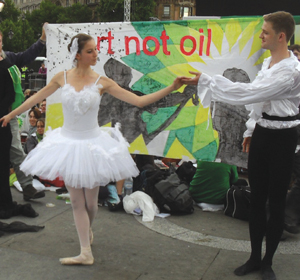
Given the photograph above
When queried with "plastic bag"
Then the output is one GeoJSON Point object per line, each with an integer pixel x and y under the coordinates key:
{"type": "Point", "coordinates": [143, 201]}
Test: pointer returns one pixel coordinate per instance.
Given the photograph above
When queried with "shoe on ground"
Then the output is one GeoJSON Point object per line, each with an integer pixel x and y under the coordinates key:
{"type": "Point", "coordinates": [267, 273]}
{"type": "Point", "coordinates": [113, 207]}
{"type": "Point", "coordinates": [29, 192]}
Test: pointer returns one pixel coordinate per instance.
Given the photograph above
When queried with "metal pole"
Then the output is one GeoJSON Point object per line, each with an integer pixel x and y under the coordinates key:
{"type": "Point", "coordinates": [127, 10]}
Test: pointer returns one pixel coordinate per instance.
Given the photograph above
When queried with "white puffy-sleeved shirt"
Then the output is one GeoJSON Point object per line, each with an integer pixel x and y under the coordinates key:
{"type": "Point", "coordinates": [275, 91]}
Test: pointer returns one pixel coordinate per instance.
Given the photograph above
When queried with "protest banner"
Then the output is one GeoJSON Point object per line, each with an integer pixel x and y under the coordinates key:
{"type": "Point", "coordinates": [147, 56]}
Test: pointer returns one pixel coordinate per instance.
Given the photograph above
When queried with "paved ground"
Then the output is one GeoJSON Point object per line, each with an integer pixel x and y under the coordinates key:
{"type": "Point", "coordinates": [206, 246]}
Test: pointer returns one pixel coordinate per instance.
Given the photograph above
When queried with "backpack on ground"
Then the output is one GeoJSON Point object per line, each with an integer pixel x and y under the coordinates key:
{"type": "Point", "coordinates": [172, 195]}
{"type": "Point", "coordinates": [238, 202]}
{"type": "Point", "coordinates": [148, 178]}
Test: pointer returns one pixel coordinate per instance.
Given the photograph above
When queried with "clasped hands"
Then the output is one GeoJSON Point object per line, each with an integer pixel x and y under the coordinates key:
{"type": "Point", "coordinates": [180, 81]}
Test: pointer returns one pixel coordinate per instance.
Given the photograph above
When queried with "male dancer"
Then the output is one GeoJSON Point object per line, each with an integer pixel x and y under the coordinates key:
{"type": "Point", "coordinates": [273, 99]}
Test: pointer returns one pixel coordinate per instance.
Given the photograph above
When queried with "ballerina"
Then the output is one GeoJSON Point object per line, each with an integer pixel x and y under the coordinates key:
{"type": "Point", "coordinates": [83, 154]}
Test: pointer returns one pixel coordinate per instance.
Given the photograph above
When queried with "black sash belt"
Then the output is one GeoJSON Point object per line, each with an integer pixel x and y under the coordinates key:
{"type": "Point", "coordinates": [276, 118]}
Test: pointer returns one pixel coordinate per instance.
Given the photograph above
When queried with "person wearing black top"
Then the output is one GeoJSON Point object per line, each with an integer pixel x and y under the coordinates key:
{"type": "Point", "coordinates": [7, 97]}
{"type": "Point", "coordinates": [17, 154]}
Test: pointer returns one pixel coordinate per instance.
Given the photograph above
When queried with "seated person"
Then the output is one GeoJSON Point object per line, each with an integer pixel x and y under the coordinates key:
{"type": "Point", "coordinates": [34, 114]}
{"type": "Point", "coordinates": [211, 182]}
{"type": "Point", "coordinates": [27, 93]}
{"type": "Point", "coordinates": [43, 108]}
{"type": "Point", "coordinates": [35, 137]}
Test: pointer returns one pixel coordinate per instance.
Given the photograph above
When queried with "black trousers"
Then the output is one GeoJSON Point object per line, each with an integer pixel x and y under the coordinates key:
{"type": "Point", "coordinates": [270, 166]}
{"type": "Point", "coordinates": [5, 193]}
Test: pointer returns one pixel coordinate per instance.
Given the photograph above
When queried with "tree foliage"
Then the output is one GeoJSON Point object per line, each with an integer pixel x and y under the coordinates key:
{"type": "Point", "coordinates": [12, 22]}
{"type": "Point", "coordinates": [48, 12]}
{"type": "Point", "coordinates": [10, 11]}
{"type": "Point", "coordinates": [28, 27]}
{"type": "Point", "coordinates": [142, 10]}
{"type": "Point", "coordinates": [75, 14]}
{"type": "Point", "coordinates": [113, 10]}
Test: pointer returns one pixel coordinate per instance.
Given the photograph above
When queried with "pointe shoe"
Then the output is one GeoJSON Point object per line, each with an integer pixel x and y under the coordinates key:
{"type": "Point", "coordinates": [85, 258]}
{"type": "Point", "coordinates": [76, 261]}
{"type": "Point", "coordinates": [91, 236]}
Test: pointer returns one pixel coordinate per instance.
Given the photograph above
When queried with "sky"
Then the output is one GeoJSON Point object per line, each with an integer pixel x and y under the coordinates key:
{"type": "Point", "coordinates": [242, 7]}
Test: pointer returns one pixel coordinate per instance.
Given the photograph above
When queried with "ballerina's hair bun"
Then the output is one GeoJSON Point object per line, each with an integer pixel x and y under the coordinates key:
{"type": "Point", "coordinates": [82, 39]}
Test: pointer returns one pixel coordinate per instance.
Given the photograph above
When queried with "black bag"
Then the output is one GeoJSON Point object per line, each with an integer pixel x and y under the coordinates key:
{"type": "Point", "coordinates": [172, 196]}
{"type": "Point", "coordinates": [147, 179]}
{"type": "Point", "coordinates": [238, 202]}
{"type": "Point", "coordinates": [186, 171]}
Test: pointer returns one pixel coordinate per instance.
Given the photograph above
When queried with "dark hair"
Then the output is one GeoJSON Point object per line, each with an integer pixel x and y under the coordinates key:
{"type": "Point", "coordinates": [36, 112]}
{"type": "Point", "coordinates": [41, 120]}
{"type": "Point", "coordinates": [282, 22]}
{"type": "Point", "coordinates": [1, 34]}
{"type": "Point", "coordinates": [294, 47]}
{"type": "Point", "coordinates": [82, 40]}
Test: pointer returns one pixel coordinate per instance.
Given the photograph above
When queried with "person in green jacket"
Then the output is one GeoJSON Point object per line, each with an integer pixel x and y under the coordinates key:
{"type": "Point", "coordinates": [211, 182]}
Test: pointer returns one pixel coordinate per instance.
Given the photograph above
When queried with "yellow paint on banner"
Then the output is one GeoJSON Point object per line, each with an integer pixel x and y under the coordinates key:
{"type": "Point", "coordinates": [191, 58]}
{"type": "Point", "coordinates": [262, 57]}
{"type": "Point", "coordinates": [138, 144]}
{"type": "Point", "coordinates": [205, 135]}
{"type": "Point", "coordinates": [217, 37]}
{"type": "Point", "coordinates": [256, 44]}
{"type": "Point", "coordinates": [107, 125]}
{"type": "Point", "coordinates": [232, 32]}
{"type": "Point", "coordinates": [202, 115]}
{"type": "Point", "coordinates": [182, 70]}
{"type": "Point", "coordinates": [177, 150]}
{"type": "Point", "coordinates": [54, 115]}
{"type": "Point", "coordinates": [247, 34]}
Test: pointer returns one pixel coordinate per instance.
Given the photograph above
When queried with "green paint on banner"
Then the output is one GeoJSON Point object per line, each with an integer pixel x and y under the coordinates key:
{"type": "Point", "coordinates": [170, 141]}
{"type": "Point", "coordinates": [197, 24]}
{"type": "Point", "coordinates": [143, 63]}
{"type": "Point", "coordinates": [175, 56]}
{"type": "Point", "coordinates": [244, 22]}
{"type": "Point", "coordinates": [163, 76]}
{"type": "Point", "coordinates": [154, 121]}
{"type": "Point", "coordinates": [202, 135]}
{"type": "Point", "coordinates": [147, 85]}
{"type": "Point", "coordinates": [176, 32]}
{"type": "Point", "coordinates": [207, 153]}
{"type": "Point", "coordinates": [185, 118]}
{"type": "Point", "coordinates": [178, 22]}
{"type": "Point", "coordinates": [185, 136]}
{"type": "Point", "coordinates": [148, 29]}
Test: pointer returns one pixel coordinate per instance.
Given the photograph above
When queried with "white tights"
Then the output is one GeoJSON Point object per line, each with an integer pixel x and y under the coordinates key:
{"type": "Point", "coordinates": [85, 206]}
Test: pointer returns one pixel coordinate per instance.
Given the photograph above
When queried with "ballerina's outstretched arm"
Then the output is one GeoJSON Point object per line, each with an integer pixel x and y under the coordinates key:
{"type": "Point", "coordinates": [140, 101]}
{"type": "Point", "coordinates": [37, 98]}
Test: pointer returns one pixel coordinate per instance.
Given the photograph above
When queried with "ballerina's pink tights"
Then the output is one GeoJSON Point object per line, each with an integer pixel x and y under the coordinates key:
{"type": "Point", "coordinates": [85, 206]}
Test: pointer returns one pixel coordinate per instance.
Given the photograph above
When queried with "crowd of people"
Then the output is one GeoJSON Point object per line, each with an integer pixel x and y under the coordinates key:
{"type": "Point", "coordinates": [273, 100]}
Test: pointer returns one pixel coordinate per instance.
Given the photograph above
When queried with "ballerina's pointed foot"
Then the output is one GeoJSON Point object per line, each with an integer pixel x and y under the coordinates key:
{"type": "Point", "coordinates": [76, 261]}
{"type": "Point", "coordinates": [85, 258]}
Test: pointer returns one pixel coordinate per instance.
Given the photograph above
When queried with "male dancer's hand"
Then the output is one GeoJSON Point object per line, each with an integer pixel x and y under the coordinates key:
{"type": "Point", "coordinates": [246, 144]}
{"type": "Point", "coordinates": [191, 81]}
{"type": "Point", "coordinates": [5, 120]}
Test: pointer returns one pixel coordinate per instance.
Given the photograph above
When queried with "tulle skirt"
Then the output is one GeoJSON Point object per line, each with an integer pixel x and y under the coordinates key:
{"type": "Point", "coordinates": [83, 160]}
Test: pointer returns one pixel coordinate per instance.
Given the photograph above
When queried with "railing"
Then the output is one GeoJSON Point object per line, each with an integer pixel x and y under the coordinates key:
{"type": "Point", "coordinates": [35, 81]}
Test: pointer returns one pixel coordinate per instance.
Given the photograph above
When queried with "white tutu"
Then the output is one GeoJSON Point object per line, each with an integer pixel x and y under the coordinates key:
{"type": "Point", "coordinates": [88, 159]}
